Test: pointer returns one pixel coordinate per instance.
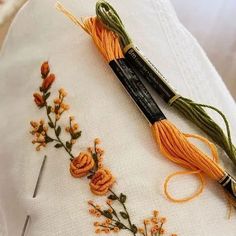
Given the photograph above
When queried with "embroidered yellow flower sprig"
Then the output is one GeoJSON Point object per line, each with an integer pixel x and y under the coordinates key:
{"type": "Point", "coordinates": [153, 226]}
{"type": "Point", "coordinates": [54, 113]}
{"type": "Point", "coordinates": [116, 220]}
{"type": "Point", "coordinates": [88, 163]}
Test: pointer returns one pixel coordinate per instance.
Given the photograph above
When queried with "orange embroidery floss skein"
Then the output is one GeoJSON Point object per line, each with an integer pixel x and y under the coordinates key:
{"type": "Point", "coordinates": [173, 144]}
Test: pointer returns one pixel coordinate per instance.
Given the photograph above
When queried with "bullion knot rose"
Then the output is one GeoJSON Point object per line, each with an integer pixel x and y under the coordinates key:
{"type": "Point", "coordinates": [101, 181]}
{"type": "Point", "coordinates": [81, 165]}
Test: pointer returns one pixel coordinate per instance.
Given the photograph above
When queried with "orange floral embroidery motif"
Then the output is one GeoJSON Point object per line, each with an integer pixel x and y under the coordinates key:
{"type": "Point", "coordinates": [101, 181]}
{"type": "Point", "coordinates": [115, 216]}
{"type": "Point", "coordinates": [81, 165]}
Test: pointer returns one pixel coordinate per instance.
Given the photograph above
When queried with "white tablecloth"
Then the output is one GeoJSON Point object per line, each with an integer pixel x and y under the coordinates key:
{"type": "Point", "coordinates": [103, 110]}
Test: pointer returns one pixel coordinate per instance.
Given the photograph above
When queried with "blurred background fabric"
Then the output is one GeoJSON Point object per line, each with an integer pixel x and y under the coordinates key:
{"type": "Point", "coordinates": [210, 21]}
{"type": "Point", "coordinates": [8, 7]}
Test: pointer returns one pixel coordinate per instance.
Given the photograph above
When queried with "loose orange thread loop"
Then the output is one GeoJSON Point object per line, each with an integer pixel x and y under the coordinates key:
{"type": "Point", "coordinates": [174, 145]}
{"type": "Point", "coordinates": [197, 192]}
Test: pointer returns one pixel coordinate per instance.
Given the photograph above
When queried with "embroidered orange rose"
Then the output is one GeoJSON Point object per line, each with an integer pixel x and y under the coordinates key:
{"type": "Point", "coordinates": [101, 181]}
{"type": "Point", "coordinates": [45, 69]}
{"type": "Point", "coordinates": [38, 98]}
{"type": "Point", "coordinates": [81, 165]}
{"type": "Point", "coordinates": [48, 81]}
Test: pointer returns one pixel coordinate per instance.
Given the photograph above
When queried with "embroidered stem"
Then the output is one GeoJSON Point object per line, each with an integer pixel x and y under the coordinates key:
{"type": "Point", "coordinates": [55, 131]}
{"type": "Point", "coordinates": [160, 230]}
{"type": "Point", "coordinates": [117, 222]}
{"type": "Point", "coordinates": [125, 209]}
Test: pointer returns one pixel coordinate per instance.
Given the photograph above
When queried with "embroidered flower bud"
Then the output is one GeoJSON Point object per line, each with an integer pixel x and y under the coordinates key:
{"type": "Point", "coordinates": [141, 231]}
{"type": "Point", "coordinates": [97, 141]}
{"type": "Point", "coordinates": [75, 126]}
{"type": "Point", "coordinates": [62, 92]}
{"type": "Point", "coordinates": [101, 181]}
{"type": "Point", "coordinates": [72, 118]}
{"type": "Point", "coordinates": [146, 221]}
{"type": "Point", "coordinates": [116, 229]}
{"type": "Point", "coordinates": [163, 220]}
{"type": "Point", "coordinates": [109, 202]}
{"type": "Point", "coordinates": [108, 221]}
{"type": "Point", "coordinates": [98, 214]}
{"type": "Point", "coordinates": [38, 98]}
{"type": "Point", "coordinates": [47, 82]}
{"type": "Point", "coordinates": [154, 229]}
{"type": "Point", "coordinates": [90, 202]}
{"type": "Point", "coordinates": [154, 220]}
{"type": "Point", "coordinates": [65, 106]}
{"type": "Point", "coordinates": [96, 223]}
{"type": "Point", "coordinates": [34, 124]}
{"type": "Point", "coordinates": [45, 69]}
{"type": "Point", "coordinates": [161, 231]}
{"type": "Point", "coordinates": [81, 165]}
{"type": "Point", "coordinates": [155, 213]}
{"type": "Point", "coordinates": [106, 230]}
{"type": "Point", "coordinates": [57, 100]}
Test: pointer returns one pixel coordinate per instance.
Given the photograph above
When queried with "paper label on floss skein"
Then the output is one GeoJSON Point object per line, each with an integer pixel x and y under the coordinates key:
{"type": "Point", "coordinates": [137, 91]}
{"type": "Point", "coordinates": [150, 73]}
{"type": "Point", "coordinates": [229, 185]}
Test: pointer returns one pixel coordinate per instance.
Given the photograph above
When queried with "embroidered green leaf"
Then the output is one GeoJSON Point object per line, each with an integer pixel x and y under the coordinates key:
{"type": "Point", "coordinates": [40, 129]}
{"type": "Point", "coordinates": [50, 124]}
{"type": "Point", "coordinates": [112, 197]}
{"type": "Point", "coordinates": [76, 135]}
{"type": "Point", "coordinates": [124, 215]}
{"type": "Point", "coordinates": [57, 109]}
{"type": "Point", "coordinates": [107, 214]}
{"type": "Point", "coordinates": [95, 158]}
{"type": "Point", "coordinates": [48, 139]}
{"type": "Point", "coordinates": [46, 96]}
{"type": "Point", "coordinates": [89, 176]}
{"type": "Point", "coordinates": [134, 229]}
{"type": "Point", "coordinates": [49, 109]}
{"type": "Point", "coordinates": [68, 145]}
{"type": "Point", "coordinates": [119, 225]}
{"type": "Point", "coordinates": [58, 145]}
{"type": "Point", "coordinates": [58, 130]}
{"type": "Point", "coordinates": [114, 213]}
{"type": "Point", "coordinates": [122, 198]}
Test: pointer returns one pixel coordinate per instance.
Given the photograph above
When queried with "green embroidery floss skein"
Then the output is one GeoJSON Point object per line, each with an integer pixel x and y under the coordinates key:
{"type": "Point", "coordinates": [192, 111]}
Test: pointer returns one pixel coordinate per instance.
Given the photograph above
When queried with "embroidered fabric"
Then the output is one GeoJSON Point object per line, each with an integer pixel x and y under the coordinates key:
{"type": "Point", "coordinates": [104, 110]}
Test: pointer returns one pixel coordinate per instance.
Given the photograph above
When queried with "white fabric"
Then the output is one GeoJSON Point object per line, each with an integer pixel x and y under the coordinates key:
{"type": "Point", "coordinates": [103, 110]}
